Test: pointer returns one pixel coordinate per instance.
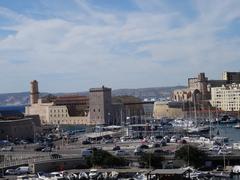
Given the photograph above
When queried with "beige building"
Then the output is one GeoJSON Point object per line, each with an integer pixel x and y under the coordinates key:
{"type": "Point", "coordinates": [167, 109]}
{"type": "Point", "coordinates": [50, 113]}
{"type": "Point", "coordinates": [226, 97]}
{"type": "Point", "coordinates": [72, 109]}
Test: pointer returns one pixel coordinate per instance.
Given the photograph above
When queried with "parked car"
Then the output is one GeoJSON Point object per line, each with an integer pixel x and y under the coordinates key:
{"type": "Point", "coordinates": [115, 148]}
{"type": "Point", "coordinates": [155, 145]}
{"type": "Point", "coordinates": [138, 152]}
{"type": "Point", "coordinates": [143, 146]}
{"type": "Point", "coordinates": [86, 142]}
{"type": "Point", "coordinates": [120, 153]}
{"type": "Point", "coordinates": [22, 170]}
{"type": "Point", "coordinates": [39, 148]}
{"type": "Point", "coordinates": [10, 172]}
{"type": "Point", "coordinates": [87, 153]}
{"type": "Point", "coordinates": [108, 141]}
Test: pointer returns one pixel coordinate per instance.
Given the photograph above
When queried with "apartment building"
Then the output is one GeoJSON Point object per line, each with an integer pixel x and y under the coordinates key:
{"type": "Point", "coordinates": [226, 97]}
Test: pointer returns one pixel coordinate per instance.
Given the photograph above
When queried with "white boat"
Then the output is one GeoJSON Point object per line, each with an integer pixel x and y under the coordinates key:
{"type": "Point", "coordinates": [237, 126]}
{"type": "Point", "coordinates": [236, 169]}
{"type": "Point", "coordinates": [93, 174]}
{"type": "Point", "coordinates": [140, 176]}
{"type": "Point", "coordinates": [113, 175]}
{"type": "Point", "coordinates": [82, 176]}
{"type": "Point", "coordinates": [198, 129]}
{"type": "Point", "coordinates": [236, 146]}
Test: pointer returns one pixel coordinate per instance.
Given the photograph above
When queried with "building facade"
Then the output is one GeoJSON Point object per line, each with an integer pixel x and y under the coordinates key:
{"type": "Point", "coordinates": [72, 109]}
{"type": "Point", "coordinates": [226, 97]}
{"type": "Point", "coordinates": [100, 105]}
{"type": "Point", "coordinates": [198, 90]}
{"type": "Point", "coordinates": [163, 109]}
{"type": "Point", "coordinates": [231, 77]}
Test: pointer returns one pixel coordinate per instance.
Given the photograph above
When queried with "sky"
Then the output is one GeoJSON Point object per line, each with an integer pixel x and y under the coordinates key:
{"type": "Point", "coordinates": [73, 45]}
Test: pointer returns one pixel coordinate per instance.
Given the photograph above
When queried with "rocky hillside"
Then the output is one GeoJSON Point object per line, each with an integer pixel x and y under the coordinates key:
{"type": "Point", "coordinates": [141, 93]}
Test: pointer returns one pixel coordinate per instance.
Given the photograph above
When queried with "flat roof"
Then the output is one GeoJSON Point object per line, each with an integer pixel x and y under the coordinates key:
{"type": "Point", "coordinates": [169, 171]}
{"type": "Point", "coordinates": [99, 134]}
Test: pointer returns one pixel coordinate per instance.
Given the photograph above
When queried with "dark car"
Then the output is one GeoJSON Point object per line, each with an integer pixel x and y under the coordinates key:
{"type": "Point", "coordinates": [156, 145]}
{"type": "Point", "coordinates": [39, 148]}
{"type": "Point", "coordinates": [116, 148]}
{"type": "Point", "coordinates": [144, 146]}
{"type": "Point", "coordinates": [86, 142]}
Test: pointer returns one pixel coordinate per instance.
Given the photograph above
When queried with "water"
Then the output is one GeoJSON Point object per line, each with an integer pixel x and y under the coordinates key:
{"type": "Point", "coordinates": [20, 108]}
{"type": "Point", "coordinates": [227, 130]}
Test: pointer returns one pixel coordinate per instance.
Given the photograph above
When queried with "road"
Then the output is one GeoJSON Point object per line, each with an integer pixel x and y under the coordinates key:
{"type": "Point", "coordinates": [27, 153]}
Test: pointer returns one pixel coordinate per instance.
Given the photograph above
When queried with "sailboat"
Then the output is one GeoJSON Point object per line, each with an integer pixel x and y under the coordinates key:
{"type": "Point", "coordinates": [237, 126]}
{"type": "Point", "coordinates": [198, 128]}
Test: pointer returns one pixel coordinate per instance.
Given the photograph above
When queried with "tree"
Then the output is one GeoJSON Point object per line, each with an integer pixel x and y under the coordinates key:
{"type": "Point", "coordinates": [192, 155]}
{"type": "Point", "coordinates": [104, 159]}
{"type": "Point", "coordinates": [151, 160]}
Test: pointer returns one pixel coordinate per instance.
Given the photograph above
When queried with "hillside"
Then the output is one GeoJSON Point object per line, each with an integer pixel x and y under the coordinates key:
{"type": "Point", "coordinates": [141, 93]}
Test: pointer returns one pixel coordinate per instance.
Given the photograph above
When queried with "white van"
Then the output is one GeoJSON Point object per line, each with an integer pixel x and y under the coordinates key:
{"type": "Point", "coordinates": [22, 170]}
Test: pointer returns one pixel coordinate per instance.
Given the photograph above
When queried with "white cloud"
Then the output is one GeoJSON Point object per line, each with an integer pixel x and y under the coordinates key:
{"type": "Point", "coordinates": [105, 46]}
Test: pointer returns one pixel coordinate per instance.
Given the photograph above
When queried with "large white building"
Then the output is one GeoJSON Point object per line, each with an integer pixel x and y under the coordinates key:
{"type": "Point", "coordinates": [226, 97]}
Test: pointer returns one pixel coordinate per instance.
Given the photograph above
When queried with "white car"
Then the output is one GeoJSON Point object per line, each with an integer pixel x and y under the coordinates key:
{"type": "Point", "coordinates": [23, 170]}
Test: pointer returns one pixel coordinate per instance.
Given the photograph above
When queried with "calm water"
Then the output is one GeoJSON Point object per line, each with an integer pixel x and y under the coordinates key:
{"type": "Point", "coordinates": [227, 130]}
{"type": "Point", "coordinates": [20, 108]}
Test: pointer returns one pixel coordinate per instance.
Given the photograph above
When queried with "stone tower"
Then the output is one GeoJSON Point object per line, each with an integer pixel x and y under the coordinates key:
{"type": "Point", "coordinates": [34, 94]}
{"type": "Point", "coordinates": [100, 105]}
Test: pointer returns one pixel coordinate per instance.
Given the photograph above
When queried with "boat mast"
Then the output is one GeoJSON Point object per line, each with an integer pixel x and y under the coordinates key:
{"type": "Point", "coordinates": [195, 109]}
{"type": "Point", "coordinates": [209, 117]}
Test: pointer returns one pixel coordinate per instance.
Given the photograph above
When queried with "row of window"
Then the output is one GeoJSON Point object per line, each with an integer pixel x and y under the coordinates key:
{"type": "Point", "coordinates": [58, 115]}
{"type": "Point", "coordinates": [57, 110]}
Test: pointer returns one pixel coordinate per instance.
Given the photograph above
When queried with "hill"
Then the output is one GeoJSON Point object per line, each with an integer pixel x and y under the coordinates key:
{"type": "Point", "coordinates": [22, 98]}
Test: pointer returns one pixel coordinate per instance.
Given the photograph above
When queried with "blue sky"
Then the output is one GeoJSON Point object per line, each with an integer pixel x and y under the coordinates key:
{"type": "Point", "coordinates": [73, 45]}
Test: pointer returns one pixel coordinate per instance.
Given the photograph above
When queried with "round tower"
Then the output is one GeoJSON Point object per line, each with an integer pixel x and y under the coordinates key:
{"type": "Point", "coordinates": [34, 94]}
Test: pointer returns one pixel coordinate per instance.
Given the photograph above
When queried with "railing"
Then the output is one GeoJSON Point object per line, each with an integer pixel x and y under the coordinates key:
{"type": "Point", "coordinates": [29, 160]}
